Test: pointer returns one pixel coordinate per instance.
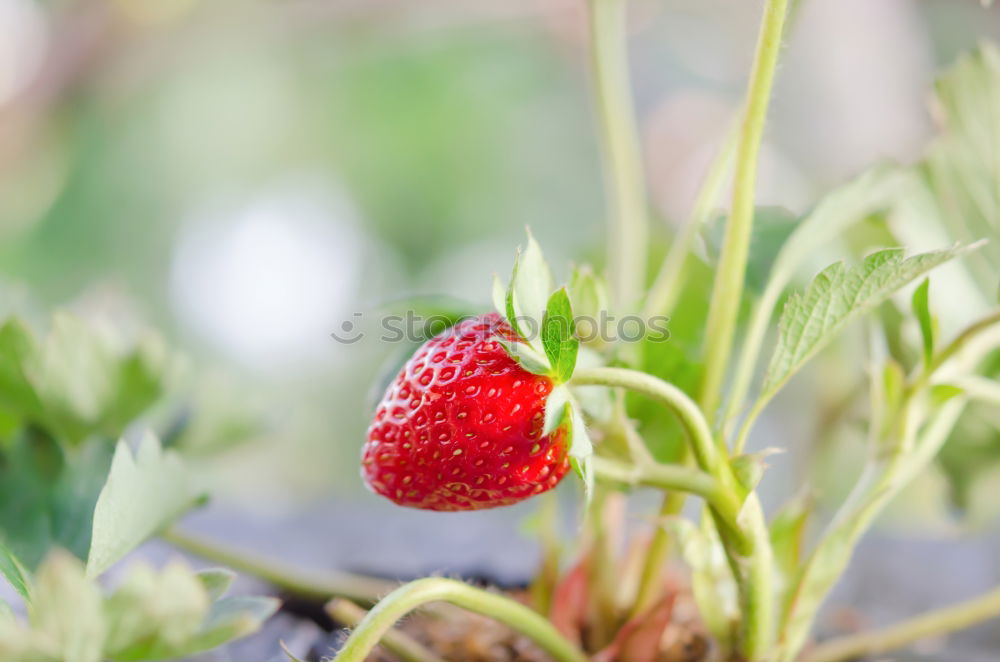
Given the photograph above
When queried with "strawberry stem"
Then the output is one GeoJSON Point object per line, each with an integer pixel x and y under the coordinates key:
{"type": "Point", "coordinates": [670, 477]}
{"type": "Point", "coordinates": [434, 589]}
{"type": "Point", "coordinates": [396, 641]}
{"type": "Point", "coordinates": [934, 623]}
{"type": "Point", "coordinates": [623, 172]}
{"type": "Point", "coordinates": [727, 292]}
{"type": "Point", "coordinates": [699, 434]}
{"type": "Point", "coordinates": [320, 585]}
{"type": "Point", "coordinates": [736, 513]}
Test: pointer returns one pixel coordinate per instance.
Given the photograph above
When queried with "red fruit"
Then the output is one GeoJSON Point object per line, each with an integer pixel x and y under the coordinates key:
{"type": "Point", "coordinates": [460, 428]}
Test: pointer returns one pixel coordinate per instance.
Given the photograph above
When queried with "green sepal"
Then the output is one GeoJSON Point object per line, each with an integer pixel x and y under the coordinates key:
{"type": "Point", "coordinates": [525, 356]}
{"type": "Point", "coordinates": [559, 336]}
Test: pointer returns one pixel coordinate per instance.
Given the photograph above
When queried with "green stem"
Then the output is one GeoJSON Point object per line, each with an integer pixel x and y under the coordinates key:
{"type": "Point", "coordinates": [673, 478]}
{"type": "Point", "coordinates": [433, 589]}
{"type": "Point", "coordinates": [728, 289]}
{"type": "Point", "coordinates": [885, 476]}
{"type": "Point", "coordinates": [938, 622]}
{"type": "Point", "coordinates": [687, 411]}
{"type": "Point", "coordinates": [396, 641]}
{"type": "Point", "coordinates": [623, 171]}
{"type": "Point", "coordinates": [317, 585]}
{"type": "Point", "coordinates": [955, 347]}
{"type": "Point", "coordinates": [746, 544]}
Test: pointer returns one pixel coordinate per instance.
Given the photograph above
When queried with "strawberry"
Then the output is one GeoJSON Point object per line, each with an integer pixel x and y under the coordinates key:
{"type": "Point", "coordinates": [460, 428]}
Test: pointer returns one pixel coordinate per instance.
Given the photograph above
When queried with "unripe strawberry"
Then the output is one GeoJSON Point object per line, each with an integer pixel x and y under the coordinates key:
{"type": "Point", "coordinates": [461, 426]}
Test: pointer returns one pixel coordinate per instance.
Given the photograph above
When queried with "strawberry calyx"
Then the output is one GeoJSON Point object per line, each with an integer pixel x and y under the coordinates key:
{"type": "Point", "coordinates": [544, 342]}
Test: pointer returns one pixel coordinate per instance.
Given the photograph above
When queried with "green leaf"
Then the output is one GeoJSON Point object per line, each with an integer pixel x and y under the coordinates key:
{"type": "Point", "coordinates": [581, 448]}
{"type": "Point", "coordinates": [15, 573]}
{"type": "Point", "coordinates": [47, 494]}
{"type": "Point", "coordinates": [216, 581]}
{"type": "Point", "coordinates": [155, 614]}
{"type": "Point", "coordinates": [525, 356]}
{"type": "Point", "coordinates": [960, 200]}
{"type": "Point", "coordinates": [750, 467]}
{"type": "Point", "coordinates": [143, 494]}
{"type": "Point", "coordinates": [787, 533]}
{"type": "Point", "coordinates": [835, 297]}
{"type": "Point", "coordinates": [77, 382]}
{"type": "Point", "coordinates": [66, 608]}
{"type": "Point", "coordinates": [232, 618]}
{"type": "Point", "coordinates": [174, 612]}
{"type": "Point", "coordinates": [528, 293]}
{"type": "Point", "coordinates": [556, 408]}
{"type": "Point", "coordinates": [17, 346]}
{"type": "Point", "coordinates": [922, 311]}
{"type": "Point", "coordinates": [558, 336]}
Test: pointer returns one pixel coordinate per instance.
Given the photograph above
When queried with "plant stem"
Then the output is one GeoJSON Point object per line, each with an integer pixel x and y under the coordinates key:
{"type": "Point", "coordinates": [673, 478]}
{"type": "Point", "coordinates": [727, 292]}
{"type": "Point", "coordinates": [687, 411]}
{"type": "Point", "coordinates": [747, 545]}
{"type": "Point", "coordinates": [318, 585]}
{"type": "Point", "coordinates": [882, 480]}
{"type": "Point", "coordinates": [396, 641]}
{"type": "Point", "coordinates": [433, 589]}
{"type": "Point", "coordinates": [940, 621]}
{"type": "Point", "coordinates": [955, 347]}
{"type": "Point", "coordinates": [623, 171]}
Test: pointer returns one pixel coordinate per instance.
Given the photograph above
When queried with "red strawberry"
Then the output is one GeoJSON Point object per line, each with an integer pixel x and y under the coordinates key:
{"type": "Point", "coordinates": [460, 428]}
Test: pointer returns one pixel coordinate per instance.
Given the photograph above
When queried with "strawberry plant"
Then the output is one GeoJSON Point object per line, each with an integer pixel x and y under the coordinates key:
{"type": "Point", "coordinates": [468, 425]}
{"type": "Point", "coordinates": [504, 405]}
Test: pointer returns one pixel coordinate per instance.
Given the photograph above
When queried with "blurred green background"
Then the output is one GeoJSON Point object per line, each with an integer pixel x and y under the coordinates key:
{"type": "Point", "coordinates": [245, 176]}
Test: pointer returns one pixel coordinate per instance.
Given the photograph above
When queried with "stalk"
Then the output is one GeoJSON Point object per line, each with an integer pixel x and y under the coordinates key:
{"type": "Point", "coordinates": [728, 289]}
{"type": "Point", "coordinates": [434, 589]}
{"type": "Point", "coordinates": [937, 622]}
{"type": "Point", "coordinates": [687, 411]}
{"type": "Point", "coordinates": [673, 478]}
{"type": "Point", "coordinates": [396, 641]}
{"type": "Point", "coordinates": [623, 171]}
{"type": "Point", "coordinates": [318, 585]}
{"type": "Point", "coordinates": [742, 529]}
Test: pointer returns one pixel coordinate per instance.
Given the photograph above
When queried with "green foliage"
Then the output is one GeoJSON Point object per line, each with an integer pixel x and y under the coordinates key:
{"type": "Point", "coordinates": [152, 615]}
{"type": "Point", "coordinates": [77, 382]}
{"type": "Point", "coordinates": [13, 571]}
{"type": "Point", "coordinates": [963, 165]}
{"type": "Point", "coordinates": [64, 497]}
{"type": "Point", "coordinates": [835, 297]}
{"type": "Point", "coordinates": [143, 493]}
{"type": "Point", "coordinates": [48, 493]}
{"type": "Point", "coordinates": [559, 336]}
